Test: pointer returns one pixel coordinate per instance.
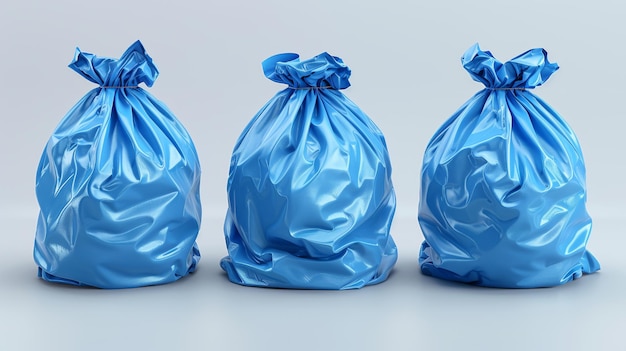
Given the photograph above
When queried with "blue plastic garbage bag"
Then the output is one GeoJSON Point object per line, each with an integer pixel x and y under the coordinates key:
{"type": "Point", "coordinates": [503, 184]}
{"type": "Point", "coordinates": [118, 184]}
{"type": "Point", "coordinates": [310, 194]}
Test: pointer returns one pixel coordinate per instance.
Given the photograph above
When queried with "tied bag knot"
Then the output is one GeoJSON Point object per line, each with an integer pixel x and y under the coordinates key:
{"type": "Point", "coordinates": [525, 71]}
{"type": "Point", "coordinates": [323, 71]}
{"type": "Point", "coordinates": [131, 69]}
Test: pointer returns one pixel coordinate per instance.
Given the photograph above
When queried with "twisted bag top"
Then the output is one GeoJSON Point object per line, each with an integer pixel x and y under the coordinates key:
{"type": "Point", "coordinates": [310, 193]}
{"type": "Point", "coordinates": [118, 184]}
{"type": "Point", "coordinates": [503, 184]}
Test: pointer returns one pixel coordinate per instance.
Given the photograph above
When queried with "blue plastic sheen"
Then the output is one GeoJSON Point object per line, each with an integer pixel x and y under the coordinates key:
{"type": "Point", "coordinates": [503, 184]}
{"type": "Point", "coordinates": [118, 184]}
{"type": "Point", "coordinates": [309, 190]}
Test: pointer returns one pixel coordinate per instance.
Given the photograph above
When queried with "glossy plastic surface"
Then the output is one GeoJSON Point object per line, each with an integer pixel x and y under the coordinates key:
{"type": "Point", "coordinates": [118, 184]}
{"type": "Point", "coordinates": [310, 194]}
{"type": "Point", "coordinates": [503, 184]}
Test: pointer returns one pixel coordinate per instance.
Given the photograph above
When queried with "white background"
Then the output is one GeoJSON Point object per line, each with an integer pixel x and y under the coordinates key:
{"type": "Point", "coordinates": [406, 75]}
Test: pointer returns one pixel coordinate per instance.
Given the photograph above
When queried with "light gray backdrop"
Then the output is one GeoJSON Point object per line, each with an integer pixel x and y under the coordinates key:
{"type": "Point", "coordinates": [406, 75]}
